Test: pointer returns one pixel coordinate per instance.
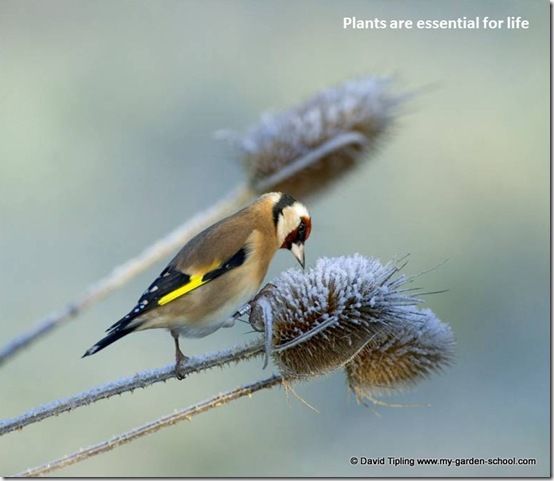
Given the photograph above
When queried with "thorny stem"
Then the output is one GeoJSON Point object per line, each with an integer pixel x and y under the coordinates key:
{"type": "Point", "coordinates": [139, 380]}
{"type": "Point", "coordinates": [153, 426]}
{"type": "Point", "coordinates": [126, 271]}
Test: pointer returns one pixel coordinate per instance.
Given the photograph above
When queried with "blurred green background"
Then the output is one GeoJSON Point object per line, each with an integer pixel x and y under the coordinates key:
{"type": "Point", "coordinates": [106, 143]}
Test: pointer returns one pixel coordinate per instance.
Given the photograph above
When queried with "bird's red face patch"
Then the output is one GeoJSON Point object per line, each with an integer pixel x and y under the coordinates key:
{"type": "Point", "coordinates": [308, 223]}
{"type": "Point", "coordinates": [300, 234]}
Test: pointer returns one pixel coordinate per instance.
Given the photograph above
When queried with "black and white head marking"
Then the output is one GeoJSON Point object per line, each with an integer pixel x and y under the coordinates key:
{"type": "Point", "coordinates": [289, 216]}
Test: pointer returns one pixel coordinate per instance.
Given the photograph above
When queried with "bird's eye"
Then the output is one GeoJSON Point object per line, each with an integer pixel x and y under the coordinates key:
{"type": "Point", "coordinates": [302, 229]}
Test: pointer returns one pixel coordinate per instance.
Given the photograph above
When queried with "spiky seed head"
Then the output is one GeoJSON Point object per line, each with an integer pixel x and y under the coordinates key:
{"type": "Point", "coordinates": [304, 149]}
{"type": "Point", "coordinates": [320, 319]}
{"type": "Point", "coordinates": [395, 359]}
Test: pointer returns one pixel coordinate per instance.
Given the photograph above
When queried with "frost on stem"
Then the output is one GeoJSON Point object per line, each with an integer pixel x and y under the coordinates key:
{"type": "Point", "coordinates": [304, 149]}
{"type": "Point", "coordinates": [319, 320]}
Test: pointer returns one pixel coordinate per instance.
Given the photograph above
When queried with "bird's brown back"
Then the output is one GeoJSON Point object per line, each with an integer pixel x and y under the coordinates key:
{"type": "Point", "coordinates": [223, 239]}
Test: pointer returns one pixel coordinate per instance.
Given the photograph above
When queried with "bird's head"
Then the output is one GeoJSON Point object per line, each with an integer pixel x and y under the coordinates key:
{"type": "Point", "coordinates": [293, 225]}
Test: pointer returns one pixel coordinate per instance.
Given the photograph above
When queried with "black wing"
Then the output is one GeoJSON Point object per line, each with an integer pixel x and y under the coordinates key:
{"type": "Point", "coordinates": [171, 280]}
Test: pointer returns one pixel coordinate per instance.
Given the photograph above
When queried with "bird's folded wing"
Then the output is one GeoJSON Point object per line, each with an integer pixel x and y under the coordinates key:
{"type": "Point", "coordinates": [172, 284]}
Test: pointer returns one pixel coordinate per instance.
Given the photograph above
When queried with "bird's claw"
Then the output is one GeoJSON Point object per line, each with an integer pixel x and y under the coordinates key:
{"type": "Point", "coordinates": [180, 358]}
{"type": "Point", "coordinates": [179, 374]}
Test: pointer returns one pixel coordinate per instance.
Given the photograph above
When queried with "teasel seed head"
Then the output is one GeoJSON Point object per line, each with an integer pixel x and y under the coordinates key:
{"type": "Point", "coordinates": [317, 321]}
{"type": "Point", "coordinates": [305, 149]}
{"type": "Point", "coordinates": [396, 359]}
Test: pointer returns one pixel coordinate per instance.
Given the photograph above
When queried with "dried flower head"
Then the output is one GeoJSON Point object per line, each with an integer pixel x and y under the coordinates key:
{"type": "Point", "coordinates": [316, 321]}
{"type": "Point", "coordinates": [302, 150]}
{"type": "Point", "coordinates": [393, 360]}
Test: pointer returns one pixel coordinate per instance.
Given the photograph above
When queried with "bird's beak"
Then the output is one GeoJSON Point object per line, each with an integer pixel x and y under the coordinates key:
{"type": "Point", "coordinates": [297, 250]}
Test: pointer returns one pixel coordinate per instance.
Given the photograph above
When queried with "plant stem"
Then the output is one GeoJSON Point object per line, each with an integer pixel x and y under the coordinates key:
{"type": "Point", "coordinates": [152, 427]}
{"type": "Point", "coordinates": [139, 380]}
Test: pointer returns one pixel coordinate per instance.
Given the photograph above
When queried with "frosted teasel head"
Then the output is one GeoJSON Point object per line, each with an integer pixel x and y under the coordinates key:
{"type": "Point", "coordinates": [317, 321]}
{"type": "Point", "coordinates": [304, 149]}
{"type": "Point", "coordinates": [396, 359]}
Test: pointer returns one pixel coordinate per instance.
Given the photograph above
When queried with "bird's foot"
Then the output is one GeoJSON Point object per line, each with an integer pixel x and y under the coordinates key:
{"type": "Point", "coordinates": [180, 358]}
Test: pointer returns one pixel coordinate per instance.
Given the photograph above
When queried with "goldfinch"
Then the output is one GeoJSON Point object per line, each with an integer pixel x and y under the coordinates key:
{"type": "Point", "coordinates": [216, 271]}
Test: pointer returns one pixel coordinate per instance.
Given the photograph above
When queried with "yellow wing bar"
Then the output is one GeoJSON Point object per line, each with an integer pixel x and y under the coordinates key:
{"type": "Point", "coordinates": [194, 282]}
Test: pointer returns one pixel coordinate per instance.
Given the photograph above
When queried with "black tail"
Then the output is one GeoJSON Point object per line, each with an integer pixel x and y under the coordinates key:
{"type": "Point", "coordinates": [106, 341]}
